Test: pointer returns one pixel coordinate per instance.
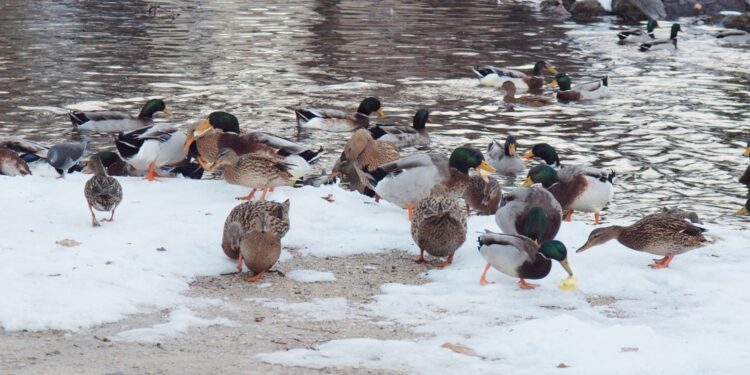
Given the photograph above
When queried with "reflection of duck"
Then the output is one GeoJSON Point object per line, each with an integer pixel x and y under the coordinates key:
{"type": "Point", "coordinates": [116, 121]}
{"type": "Point", "coordinates": [658, 234]}
{"type": "Point", "coordinates": [495, 77]}
{"type": "Point", "coordinates": [339, 121]}
{"type": "Point", "coordinates": [403, 136]}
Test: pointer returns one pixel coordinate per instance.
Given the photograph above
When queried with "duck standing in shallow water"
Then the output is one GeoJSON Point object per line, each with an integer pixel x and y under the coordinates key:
{"type": "Point", "coordinates": [659, 234]}
{"type": "Point", "coordinates": [439, 225]}
{"type": "Point", "coordinates": [116, 121]}
{"type": "Point", "coordinates": [103, 193]}
{"type": "Point", "coordinates": [339, 121]}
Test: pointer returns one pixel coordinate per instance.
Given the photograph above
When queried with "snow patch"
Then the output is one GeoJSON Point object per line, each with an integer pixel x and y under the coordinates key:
{"type": "Point", "coordinates": [179, 322]}
{"type": "Point", "coordinates": [310, 276]}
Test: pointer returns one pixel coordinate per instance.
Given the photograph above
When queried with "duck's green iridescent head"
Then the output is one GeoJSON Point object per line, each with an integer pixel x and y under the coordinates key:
{"type": "Point", "coordinates": [225, 121]}
{"type": "Point", "coordinates": [545, 152]}
{"type": "Point", "coordinates": [370, 105]}
{"type": "Point", "coordinates": [675, 28]}
{"type": "Point", "coordinates": [562, 81]}
{"type": "Point", "coordinates": [421, 118]}
{"type": "Point", "coordinates": [152, 106]}
{"type": "Point", "coordinates": [535, 224]}
{"type": "Point", "coordinates": [465, 158]}
{"type": "Point", "coordinates": [541, 174]}
{"type": "Point", "coordinates": [745, 210]}
{"type": "Point", "coordinates": [556, 250]}
{"type": "Point", "coordinates": [651, 25]}
{"type": "Point", "coordinates": [108, 158]}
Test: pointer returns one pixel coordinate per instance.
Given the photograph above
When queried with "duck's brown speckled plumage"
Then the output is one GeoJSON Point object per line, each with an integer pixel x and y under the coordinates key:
{"type": "Point", "coordinates": [483, 197]}
{"type": "Point", "coordinates": [261, 244]}
{"type": "Point", "coordinates": [253, 170]}
{"type": "Point", "coordinates": [248, 213]}
{"type": "Point", "coordinates": [361, 154]}
{"type": "Point", "coordinates": [11, 164]}
{"type": "Point", "coordinates": [439, 224]}
{"type": "Point", "coordinates": [212, 142]}
{"type": "Point", "coordinates": [102, 192]}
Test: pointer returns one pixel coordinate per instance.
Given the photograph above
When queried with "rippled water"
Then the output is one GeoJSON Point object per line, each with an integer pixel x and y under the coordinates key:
{"type": "Point", "coordinates": [673, 129]}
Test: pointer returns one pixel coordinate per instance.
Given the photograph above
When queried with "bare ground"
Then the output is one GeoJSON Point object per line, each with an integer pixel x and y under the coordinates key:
{"type": "Point", "coordinates": [219, 349]}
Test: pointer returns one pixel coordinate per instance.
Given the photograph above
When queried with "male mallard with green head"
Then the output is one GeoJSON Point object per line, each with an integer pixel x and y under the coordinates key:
{"type": "Point", "coordinates": [339, 121]}
{"type": "Point", "coordinates": [495, 77]}
{"type": "Point", "coordinates": [658, 234]}
{"type": "Point", "coordinates": [102, 192]}
{"type": "Point", "coordinates": [532, 212]}
{"type": "Point", "coordinates": [662, 43]}
{"type": "Point", "coordinates": [116, 121]}
{"type": "Point", "coordinates": [639, 35]}
{"type": "Point", "coordinates": [404, 136]}
{"type": "Point", "coordinates": [439, 225]}
{"type": "Point", "coordinates": [518, 256]}
{"type": "Point", "coordinates": [584, 91]}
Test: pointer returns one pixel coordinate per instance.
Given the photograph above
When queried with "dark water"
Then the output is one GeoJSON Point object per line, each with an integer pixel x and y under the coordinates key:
{"type": "Point", "coordinates": [673, 128]}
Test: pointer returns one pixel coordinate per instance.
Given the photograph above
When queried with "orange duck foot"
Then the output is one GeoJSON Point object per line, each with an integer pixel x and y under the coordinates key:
{"type": "Point", "coordinates": [247, 197]}
{"type": "Point", "coordinates": [662, 263]}
{"type": "Point", "coordinates": [444, 263]}
{"type": "Point", "coordinates": [524, 285]}
{"type": "Point", "coordinates": [256, 278]}
{"type": "Point", "coordinates": [483, 280]}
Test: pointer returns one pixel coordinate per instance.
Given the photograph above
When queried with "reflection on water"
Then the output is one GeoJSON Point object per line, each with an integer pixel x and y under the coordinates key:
{"type": "Point", "coordinates": [673, 128]}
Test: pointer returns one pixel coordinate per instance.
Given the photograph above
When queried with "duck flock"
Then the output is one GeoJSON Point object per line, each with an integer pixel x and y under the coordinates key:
{"type": "Point", "coordinates": [437, 190]}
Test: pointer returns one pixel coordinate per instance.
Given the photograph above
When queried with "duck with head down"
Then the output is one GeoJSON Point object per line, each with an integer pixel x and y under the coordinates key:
{"type": "Point", "coordinates": [363, 153]}
{"type": "Point", "coordinates": [339, 121]}
{"type": "Point", "coordinates": [439, 225]}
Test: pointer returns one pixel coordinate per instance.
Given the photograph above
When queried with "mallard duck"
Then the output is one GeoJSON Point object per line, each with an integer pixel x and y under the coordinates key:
{"type": "Point", "coordinates": [363, 153]}
{"type": "Point", "coordinates": [518, 256]}
{"type": "Point", "coordinates": [526, 100]}
{"type": "Point", "coordinates": [495, 77]}
{"type": "Point", "coordinates": [253, 171]}
{"type": "Point", "coordinates": [403, 136]}
{"type": "Point", "coordinates": [116, 121]}
{"type": "Point", "coordinates": [745, 209]}
{"type": "Point", "coordinates": [339, 121]}
{"type": "Point", "coordinates": [65, 155]}
{"type": "Point", "coordinates": [152, 147]}
{"type": "Point", "coordinates": [639, 35]}
{"type": "Point", "coordinates": [221, 130]}
{"type": "Point", "coordinates": [483, 196]}
{"type": "Point", "coordinates": [113, 164]}
{"type": "Point", "coordinates": [545, 152]}
{"type": "Point", "coordinates": [662, 43]}
{"type": "Point", "coordinates": [439, 225]}
{"type": "Point", "coordinates": [504, 159]}
{"type": "Point", "coordinates": [658, 234]}
{"type": "Point", "coordinates": [244, 222]}
{"type": "Point", "coordinates": [584, 91]}
{"type": "Point", "coordinates": [532, 212]}
{"type": "Point", "coordinates": [11, 164]}
{"type": "Point", "coordinates": [736, 36]}
{"type": "Point", "coordinates": [103, 193]}
{"type": "Point", "coordinates": [575, 188]}
{"type": "Point", "coordinates": [410, 179]}
{"type": "Point", "coordinates": [682, 214]}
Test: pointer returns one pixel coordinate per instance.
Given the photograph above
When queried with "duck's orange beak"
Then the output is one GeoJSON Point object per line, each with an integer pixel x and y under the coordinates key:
{"type": "Point", "coordinates": [380, 112]}
{"type": "Point", "coordinates": [747, 152]}
{"type": "Point", "coordinates": [485, 170]}
{"type": "Point", "coordinates": [553, 84]}
{"type": "Point", "coordinates": [528, 155]}
{"type": "Point", "coordinates": [527, 182]}
{"type": "Point", "coordinates": [167, 111]}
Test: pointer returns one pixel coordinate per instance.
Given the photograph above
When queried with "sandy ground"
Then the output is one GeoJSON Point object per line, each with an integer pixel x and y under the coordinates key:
{"type": "Point", "coordinates": [224, 349]}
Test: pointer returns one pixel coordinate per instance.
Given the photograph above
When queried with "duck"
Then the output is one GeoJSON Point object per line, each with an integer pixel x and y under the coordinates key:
{"type": "Point", "coordinates": [266, 222]}
{"type": "Point", "coordinates": [405, 136]}
{"type": "Point", "coordinates": [483, 196]}
{"type": "Point", "coordinates": [152, 147]}
{"type": "Point", "coordinates": [495, 77]}
{"type": "Point", "coordinates": [505, 159]}
{"type": "Point", "coordinates": [662, 43]}
{"type": "Point", "coordinates": [363, 153]}
{"type": "Point", "coordinates": [659, 234]}
{"type": "Point", "coordinates": [11, 164]}
{"type": "Point", "coordinates": [527, 100]}
{"type": "Point", "coordinates": [409, 179]}
{"type": "Point", "coordinates": [638, 35]}
{"type": "Point", "coordinates": [63, 156]}
{"type": "Point", "coordinates": [545, 152]}
{"type": "Point", "coordinates": [745, 178]}
{"type": "Point", "coordinates": [113, 165]}
{"type": "Point", "coordinates": [102, 192]}
{"type": "Point", "coordinates": [339, 121]}
{"type": "Point", "coordinates": [439, 225]}
{"type": "Point", "coordinates": [519, 256]}
{"type": "Point", "coordinates": [253, 171]}
{"type": "Point", "coordinates": [222, 130]}
{"type": "Point", "coordinates": [575, 188]}
{"type": "Point", "coordinates": [585, 91]}
{"type": "Point", "coordinates": [117, 121]}
{"type": "Point", "coordinates": [733, 36]}
{"type": "Point", "coordinates": [527, 209]}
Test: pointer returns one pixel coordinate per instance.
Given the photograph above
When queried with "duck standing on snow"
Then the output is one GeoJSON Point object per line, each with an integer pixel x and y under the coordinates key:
{"type": "Point", "coordinates": [526, 100]}
{"type": "Point", "coordinates": [439, 225]}
{"type": "Point", "coordinates": [116, 121]}
{"type": "Point", "coordinates": [483, 196]}
{"type": "Point", "coordinates": [11, 164]}
{"type": "Point", "coordinates": [584, 91]}
{"type": "Point", "coordinates": [532, 212]}
{"type": "Point", "coordinates": [102, 192]}
{"type": "Point", "coordinates": [222, 130]}
{"type": "Point", "coordinates": [339, 121]}
{"type": "Point", "coordinates": [495, 77]}
{"type": "Point", "coordinates": [362, 154]}
{"type": "Point", "coordinates": [658, 234]}
{"type": "Point", "coordinates": [518, 256]}
{"type": "Point", "coordinates": [65, 155]}
{"type": "Point", "coordinates": [152, 147]}
{"type": "Point", "coordinates": [638, 35]}
{"type": "Point", "coordinates": [404, 136]}
{"type": "Point", "coordinates": [504, 159]}
{"type": "Point", "coordinates": [265, 221]}
{"type": "Point", "coordinates": [407, 180]}
{"type": "Point", "coordinates": [662, 43]}
{"type": "Point", "coordinates": [253, 171]}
